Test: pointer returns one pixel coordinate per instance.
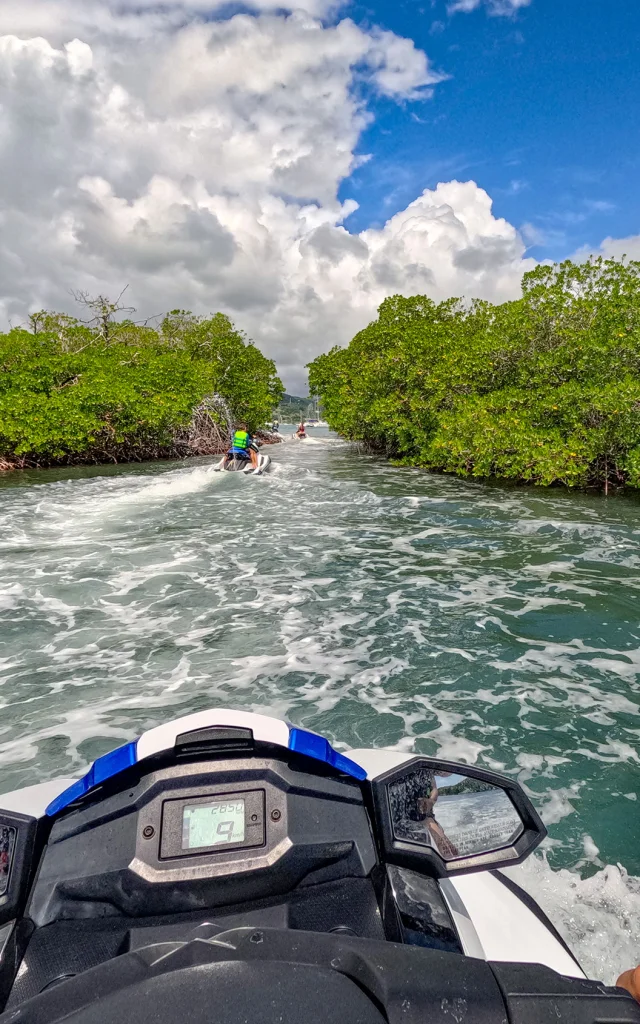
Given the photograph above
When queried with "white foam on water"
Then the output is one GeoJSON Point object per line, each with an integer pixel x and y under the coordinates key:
{"type": "Point", "coordinates": [378, 606]}
{"type": "Point", "coordinates": [75, 510]}
{"type": "Point", "coordinates": [556, 804]}
{"type": "Point", "coordinates": [10, 596]}
{"type": "Point", "coordinates": [598, 916]}
{"type": "Point", "coordinates": [172, 485]}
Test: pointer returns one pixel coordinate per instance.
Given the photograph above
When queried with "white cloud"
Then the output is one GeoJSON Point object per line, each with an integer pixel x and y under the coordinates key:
{"type": "Point", "coordinates": [599, 206]}
{"type": "Point", "coordinates": [497, 8]}
{"type": "Point", "coordinates": [201, 166]}
{"type": "Point", "coordinates": [613, 249]}
{"type": "Point", "coordinates": [532, 234]}
{"type": "Point", "coordinates": [133, 20]}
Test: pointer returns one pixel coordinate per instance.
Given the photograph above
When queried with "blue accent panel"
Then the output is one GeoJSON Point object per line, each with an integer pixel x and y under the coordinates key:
{"type": "Point", "coordinates": [67, 796]}
{"type": "Point", "coordinates": [312, 745]}
{"type": "Point", "coordinates": [104, 768]}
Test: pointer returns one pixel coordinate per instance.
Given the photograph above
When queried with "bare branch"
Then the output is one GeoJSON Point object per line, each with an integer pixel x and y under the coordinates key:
{"type": "Point", "coordinates": [104, 311]}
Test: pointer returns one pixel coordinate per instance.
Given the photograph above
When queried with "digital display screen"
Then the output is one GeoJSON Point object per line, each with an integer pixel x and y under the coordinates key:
{"type": "Point", "coordinates": [7, 843]}
{"type": "Point", "coordinates": [216, 823]}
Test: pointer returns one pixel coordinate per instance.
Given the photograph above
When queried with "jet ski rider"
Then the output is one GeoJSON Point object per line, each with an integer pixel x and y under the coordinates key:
{"type": "Point", "coordinates": [421, 797]}
{"type": "Point", "coordinates": [242, 446]}
{"type": "Point", "coordinates": [301, 432]}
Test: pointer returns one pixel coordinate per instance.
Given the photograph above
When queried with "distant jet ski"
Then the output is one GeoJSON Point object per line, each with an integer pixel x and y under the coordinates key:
{"type": "Point", "coordinates": [240, 465]}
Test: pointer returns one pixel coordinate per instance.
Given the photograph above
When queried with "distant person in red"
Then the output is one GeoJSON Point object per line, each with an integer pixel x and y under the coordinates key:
{"type": "Point", "coordinates": [301, 431]}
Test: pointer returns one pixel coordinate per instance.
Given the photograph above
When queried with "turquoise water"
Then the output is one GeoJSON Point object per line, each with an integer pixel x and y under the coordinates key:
{"type": "Point", "coordinates": [379, 606]}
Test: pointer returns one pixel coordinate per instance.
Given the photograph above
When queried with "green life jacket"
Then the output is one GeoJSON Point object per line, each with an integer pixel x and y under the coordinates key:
{"type": "Point", "coordinates": [241, 439]}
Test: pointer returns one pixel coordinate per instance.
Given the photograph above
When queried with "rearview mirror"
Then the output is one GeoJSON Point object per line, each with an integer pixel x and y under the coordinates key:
{"type": "Point", "coordinates": [444, 818]}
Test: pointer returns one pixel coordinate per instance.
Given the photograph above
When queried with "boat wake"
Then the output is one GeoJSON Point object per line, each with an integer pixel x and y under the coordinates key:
{"type": "Point", "coordinates": [379, 606]}
{"type": "Point", "coordinates": [598, 916]}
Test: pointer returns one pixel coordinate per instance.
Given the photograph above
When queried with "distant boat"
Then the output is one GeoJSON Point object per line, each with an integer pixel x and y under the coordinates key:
{"type": "Point", "coordinates": [316, 423]}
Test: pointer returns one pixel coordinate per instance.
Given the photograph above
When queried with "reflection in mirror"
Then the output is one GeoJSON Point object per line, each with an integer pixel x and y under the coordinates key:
{"type": "Point", "coordinates": [456, 815]}
{"type": "Point", "coordinates": [7, 842]}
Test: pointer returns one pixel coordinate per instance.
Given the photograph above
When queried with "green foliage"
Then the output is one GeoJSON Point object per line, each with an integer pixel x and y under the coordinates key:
{"type": "Point", "coordinates": [292, 409]}
{"type": "Point", "coordinates": [71, 391]}
{"type": "Point", "coordinates": [545, 389]}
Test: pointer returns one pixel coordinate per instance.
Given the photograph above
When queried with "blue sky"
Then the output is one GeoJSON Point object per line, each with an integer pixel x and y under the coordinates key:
{"type": "Point", "coordinates": [195, 156]}
{"type": "Point", "coordinates": [541, 109]}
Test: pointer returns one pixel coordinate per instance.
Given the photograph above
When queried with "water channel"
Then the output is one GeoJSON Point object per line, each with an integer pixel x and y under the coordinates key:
{"type": "Point", "coordinates": [379, 606]}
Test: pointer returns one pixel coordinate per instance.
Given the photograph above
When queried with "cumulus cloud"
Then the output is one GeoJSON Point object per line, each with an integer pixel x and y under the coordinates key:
{"type": "Point", "coordinates": [201, 167]}
{"type": "Point", "coordinates": [613, 249]}
{"type": "Point", "coordinates": [133, 20]}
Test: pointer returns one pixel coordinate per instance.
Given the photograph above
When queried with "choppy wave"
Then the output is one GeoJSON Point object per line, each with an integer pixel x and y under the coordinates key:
{"type": "Point", "coordinates": [598, 916]}
{"type": "Point", "coordinates": [377, 605]}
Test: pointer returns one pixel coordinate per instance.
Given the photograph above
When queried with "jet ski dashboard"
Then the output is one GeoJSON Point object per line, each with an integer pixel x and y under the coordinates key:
{"type": "Point", "coordinates": [202, 836]}
{"type": "Point", "coordinates": [237, 874]}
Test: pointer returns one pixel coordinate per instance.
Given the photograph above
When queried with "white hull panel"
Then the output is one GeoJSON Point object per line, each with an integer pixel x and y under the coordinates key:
{"type": "Point", "coordinates": [264, 462]}
{"type": "Point", "coordinates": [494, 924]}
